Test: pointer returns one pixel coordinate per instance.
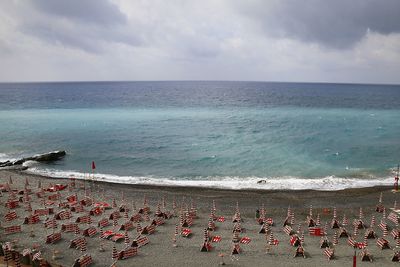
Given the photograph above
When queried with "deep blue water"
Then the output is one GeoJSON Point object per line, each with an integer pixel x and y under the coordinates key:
{"type": "Point", "coordinates": [227, 134]}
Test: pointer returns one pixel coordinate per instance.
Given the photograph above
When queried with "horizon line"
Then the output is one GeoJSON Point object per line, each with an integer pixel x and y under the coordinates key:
{"type": "Point", "coordinates": [255, 81]}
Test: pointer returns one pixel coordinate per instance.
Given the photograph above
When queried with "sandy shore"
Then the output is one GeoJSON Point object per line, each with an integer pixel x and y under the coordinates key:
{"type": "Point", "coordinates": [161, 252]}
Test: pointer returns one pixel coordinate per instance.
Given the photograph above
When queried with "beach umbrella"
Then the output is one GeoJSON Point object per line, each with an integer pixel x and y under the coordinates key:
{"type": "Point", "coordinates": [372, 225]}
{"type": "Point", "coordinates": [139, 228]}
{"type": "Point", "coordinates": [164, 203]}
{"type": "Point", "coordinates": [18, 260]}
{"type": "Point", "coordinates": [345, 221]}
{"type": "Point", "coordinates": [318, 222]}
{"type": "Point", "coordinates": [335, 240]}
{"type": "Point", "coordinates": [114, 253]}
{"type": "Point", "coordinates": [310, 211]}
{"type": "Point", "coordinates": [292, 219]}
{"type": "Point", "coordinates": [174, 206]}
{"type": "Point", "coordinates": [126, 238]}
{"type": "Point", "coordinates": [366, 240]}
{"type": "Point", "coordinates": [361, 215]}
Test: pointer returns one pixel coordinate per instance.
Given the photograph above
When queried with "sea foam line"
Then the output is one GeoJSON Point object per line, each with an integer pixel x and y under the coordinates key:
{"type": "Point", "coordinates": [329, 183]}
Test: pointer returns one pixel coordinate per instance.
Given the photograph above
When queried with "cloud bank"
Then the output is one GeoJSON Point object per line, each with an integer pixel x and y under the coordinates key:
{"type": "Point", "coordinates": [278, 40]}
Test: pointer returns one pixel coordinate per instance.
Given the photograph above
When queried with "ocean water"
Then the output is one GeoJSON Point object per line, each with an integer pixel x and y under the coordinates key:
{"type": "Point", "coordinates": [211, 134]}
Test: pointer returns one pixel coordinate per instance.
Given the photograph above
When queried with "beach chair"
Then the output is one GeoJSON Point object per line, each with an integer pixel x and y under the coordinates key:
{"type": "Point", "coordinates": [158, 221]}
{"type": "Point", "coordinates": [32, 219]}
{"type": "Point", "coordinates": [295, 241]}
{"type": "Point", "coordinates": [237, 227]}
{"type": "Point", "coordinates": [83, 261]}
{"type": "Point", "coordinates": [97, 211]}
{"type": "Point", "coordinates": [370, 233]}
{"type": "Point", "coordinates": [107, 234]}
{"type": "Point", "coordinates": [396, 256]}
{"type": "Point", "coordinates": [115, 215]}
{"type": "Point", "coordinates": [300, 252]}
{"type": "Point", "coordinates": [77, 242]}
{"type": "Point", "coordinates": [63, 215]}
{"type": "Point", "coordinates": [383, 226]}
{"type": "Point", "coordinates": [136, 218]}
{"type": "Point", "coordinates": [26, 256]}
{"type": "Point", "coordinates": [123, 208]}
{"type": "Point", "coordinates": [288, 230]}
{"type": "Point", "coordinates": [43, 212]}
{"type": "Point", "coordinates": [394, 218]}
{"type": "Point", "coordinates": [359, 224]}
{"type": "Point", "coordinates": [87, 201]}
{"type": "Point", "coordinates": [127, 253]}
{"type": "Point", "coordinates": [83, 219]}
{"type": "Point", "coordinates": [383, 243]}
{"type": "Point", "coordinates": [206, 247]}
{"type": "Point", "coordinates": [310, 222]}
{"type": "Point", "coordinates": [316, 231]}
{"type": "Point", "coordinates": [235, 249]}
{"type": "Point", "coordinates": [149, 229]}
{"type": "Point", "coordinates": [51, 223]}
{"type": "Point", "coordinates": [216, 239]}
{"type": "Point", "coordinates": [126, 226]}
{"type": "Point", "coordinates": [395, 233]}
{"type": "Point", "coordinates": [270, 221]}
{"type": "Point", "coordinates": [117, 237]}
{"type": "Point", "coordinates": [211, 225]}
{"type": "Point", "coordinates": [186, 232]}
{"type": "Point", "coordinates": [53, 238]}
{"type": "Point", "coordinates": [329, 253]}
{"type": "Point", "coordinates": [10, 216]}
{"type": "Point", "coordinates": [286, 221]}
{"type": "Point", "coordinates": [245, 240]}
{"type": "Point", "coordinates": [352, 243]}
{"type": "Point", "coordinates": [90, 231]}
{"type": "Point", "coordinates": [140, 241]}
{"type": "Point", "coordinates": [77, 208]}
{"type": "Point", "coordinates": [12, 229]}
{"type": "Point", "coordinates": [334, 223]}
{"type": "Point", "coordinates": [343, 232]}
{"type": "Point", "coordinates": [324, 243]}
{"type": "Point", "coordinates": [103, 223]}
{"type": "Point", "coordinates": [365, 255]}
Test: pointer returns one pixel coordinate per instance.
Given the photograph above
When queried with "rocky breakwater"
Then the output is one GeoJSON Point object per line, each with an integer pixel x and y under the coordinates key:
{"type": "Point", "coordinates": [46, 157]}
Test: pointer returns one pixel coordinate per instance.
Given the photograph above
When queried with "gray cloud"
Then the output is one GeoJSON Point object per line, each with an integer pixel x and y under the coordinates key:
{"type": "Point", "coordinates": [281, 40]}
{"type": "Point", "coordinates": [338, 24]}
{"type": "Point", "coordinates": [88, 11]}
{"type": "Point", "coordinates": [87, 25]}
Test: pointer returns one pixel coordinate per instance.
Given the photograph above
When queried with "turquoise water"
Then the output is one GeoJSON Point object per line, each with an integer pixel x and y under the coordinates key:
{"type": "Point", "coordinates": [223, 142]}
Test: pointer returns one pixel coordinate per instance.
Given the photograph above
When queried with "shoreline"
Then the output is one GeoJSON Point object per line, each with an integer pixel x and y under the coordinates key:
{"type": "Point", "coordinates": [177, 188]}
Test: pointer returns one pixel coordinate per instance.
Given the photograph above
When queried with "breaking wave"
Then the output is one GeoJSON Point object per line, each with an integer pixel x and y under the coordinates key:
{"type": "Point", "coordinates": [329, 183]}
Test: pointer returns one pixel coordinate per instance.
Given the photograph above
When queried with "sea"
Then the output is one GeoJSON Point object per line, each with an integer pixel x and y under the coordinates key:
{"type": "Point", "coordinates": [216, 134]}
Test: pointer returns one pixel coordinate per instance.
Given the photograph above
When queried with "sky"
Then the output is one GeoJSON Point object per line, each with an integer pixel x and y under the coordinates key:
{"type": "Point", "coordinates": [355, 41]}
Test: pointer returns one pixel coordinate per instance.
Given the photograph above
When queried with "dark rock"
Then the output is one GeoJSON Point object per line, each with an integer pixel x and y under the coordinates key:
{"type": "Point", "coordinates": [47, 157]}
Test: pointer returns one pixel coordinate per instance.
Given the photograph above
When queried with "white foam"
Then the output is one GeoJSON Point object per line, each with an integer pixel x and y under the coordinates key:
{"type": "Point", "coordinates": [5, 157]}
{"type": "Point", "coordinates": [330, 183]}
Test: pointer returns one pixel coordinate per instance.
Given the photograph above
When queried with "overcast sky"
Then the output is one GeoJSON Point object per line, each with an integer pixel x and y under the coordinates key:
{"type": "Point", "coordinates": [263, 40]}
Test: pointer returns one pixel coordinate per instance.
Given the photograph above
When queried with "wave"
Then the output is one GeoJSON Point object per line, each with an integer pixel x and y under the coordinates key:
{"type": "Point", "coordinates": [329, 183]}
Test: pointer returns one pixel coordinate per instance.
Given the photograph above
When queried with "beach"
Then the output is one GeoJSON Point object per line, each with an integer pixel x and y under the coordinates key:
{"type": "Point", "coordinates": [160, 251]}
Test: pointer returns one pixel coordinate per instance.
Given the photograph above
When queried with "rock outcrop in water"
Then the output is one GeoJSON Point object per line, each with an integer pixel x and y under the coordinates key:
{"type": "Point", "coordinates": [46, 157]}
